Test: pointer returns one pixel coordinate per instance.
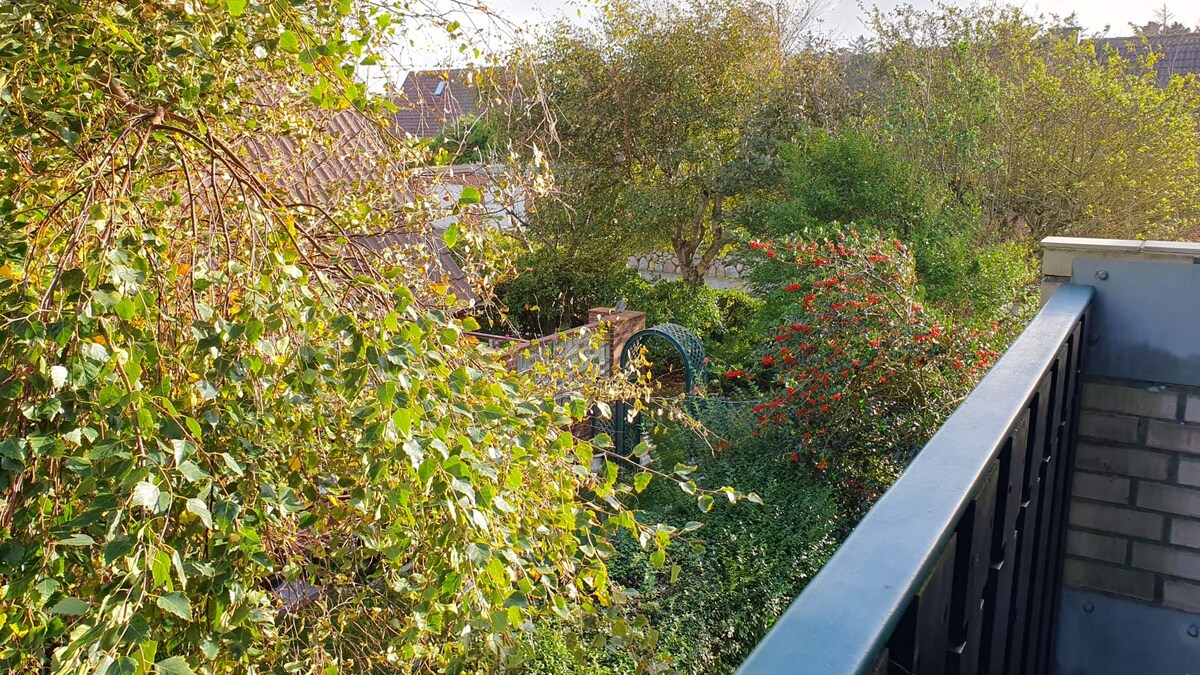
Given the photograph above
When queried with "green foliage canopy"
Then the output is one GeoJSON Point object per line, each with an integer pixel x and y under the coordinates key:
{"type": "Point", "coordinates": [208, 391]}
{"type": "Point", "coordinates": [660, 123]}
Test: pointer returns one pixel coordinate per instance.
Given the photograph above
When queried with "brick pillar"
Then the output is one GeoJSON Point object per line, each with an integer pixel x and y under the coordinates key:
{"type": "Point", "coordinates": [622, 324]}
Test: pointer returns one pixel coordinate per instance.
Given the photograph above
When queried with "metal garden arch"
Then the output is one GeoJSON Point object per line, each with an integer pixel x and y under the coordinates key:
{"type": "Point", "coordinates": [684, 342]}
{"type": "Point", "coordinates": [695, 374]}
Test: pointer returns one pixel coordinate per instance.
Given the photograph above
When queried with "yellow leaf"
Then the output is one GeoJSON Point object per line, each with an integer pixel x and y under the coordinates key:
{"type": "Point", "coordinates": [10, 273]}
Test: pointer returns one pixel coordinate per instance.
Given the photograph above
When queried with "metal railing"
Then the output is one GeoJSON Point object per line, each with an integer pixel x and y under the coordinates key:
{"type": "Point", "coordinates": [957, 568]}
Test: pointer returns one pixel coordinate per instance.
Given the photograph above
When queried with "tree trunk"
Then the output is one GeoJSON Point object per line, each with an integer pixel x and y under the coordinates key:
{"type": "Point", "coordinates": [692, 267]}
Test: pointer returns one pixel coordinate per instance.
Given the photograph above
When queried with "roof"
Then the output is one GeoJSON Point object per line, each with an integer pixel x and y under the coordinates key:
{"type": "Point", "coordinates": [1179, 54]}
{"type": "Point", "coordinates": [348, 153]}
{"type": "Point", "coordinates": [431, 100]}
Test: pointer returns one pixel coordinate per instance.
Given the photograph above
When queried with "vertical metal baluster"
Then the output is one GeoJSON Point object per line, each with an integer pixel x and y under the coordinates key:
{"type": "Point", "coordinates": [920, 641]}
{"type": "Point", "coordinates": [1071, 405]}
{"type": "Point", "coordinates": [971, 573]}
{"type": "Point", "coordinates": [1026, 530]}
{"type": "Point", "coordinates": [1048, 498]}
{"type": "Point", "coordinates": [998, 593]}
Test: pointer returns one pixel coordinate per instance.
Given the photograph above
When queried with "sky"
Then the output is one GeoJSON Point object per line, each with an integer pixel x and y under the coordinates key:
{"type": "Point", "coordinates": [844, 19]}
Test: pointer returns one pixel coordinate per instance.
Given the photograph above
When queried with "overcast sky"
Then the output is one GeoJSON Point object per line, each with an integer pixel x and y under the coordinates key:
{"type": "Point", "coordinates": [844, 19]}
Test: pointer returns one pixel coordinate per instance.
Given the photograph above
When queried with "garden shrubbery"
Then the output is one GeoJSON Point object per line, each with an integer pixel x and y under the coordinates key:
{"type": "Point", "coordinates": [856, 363]}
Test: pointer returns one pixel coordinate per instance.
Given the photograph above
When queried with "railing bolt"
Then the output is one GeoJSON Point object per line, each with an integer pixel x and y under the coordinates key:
{"type": "Point", "coordinates": [1089, 607]}
{"type": "Point", "coordinates": [1101, 275]}
{"type": "Point", "coordinates": [1094, 338]}
{"type": "Point", "coordinates": [1194, 630]}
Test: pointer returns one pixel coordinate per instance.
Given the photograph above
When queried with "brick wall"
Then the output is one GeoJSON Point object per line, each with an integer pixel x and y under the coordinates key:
{"type": "Point", "coordinates": [621, 326]}
{"type": "Point", "coordinates": [1135, 505]}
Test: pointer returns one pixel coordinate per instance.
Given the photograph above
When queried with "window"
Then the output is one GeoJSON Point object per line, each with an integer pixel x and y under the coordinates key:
{"type": "Point", "coordinates": [440, 88]}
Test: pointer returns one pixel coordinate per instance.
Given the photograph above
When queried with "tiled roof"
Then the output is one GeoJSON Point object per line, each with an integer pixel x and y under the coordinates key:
{"type": "Point", "coordinates": [1179, 54]}
{"type": "Point", "coordinates": [348, 153]}
{"type": "Point", "coordinates": [430, 100]}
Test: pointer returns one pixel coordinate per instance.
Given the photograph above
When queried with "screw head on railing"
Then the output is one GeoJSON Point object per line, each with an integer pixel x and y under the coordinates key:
{"type": "Point", "coordinates": [1094, 338]}
{"type": "Point", "coordinates": [1101, 275]}
{"type": "Point", "coordinates": [1194, 630]}
{"type": "Point", "coordinates": [1089, 607]}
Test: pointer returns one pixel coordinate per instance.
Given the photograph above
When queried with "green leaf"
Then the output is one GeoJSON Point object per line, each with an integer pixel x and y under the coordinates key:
{"type": "Point", "coordinates": [705, 502]}
{"type": "Point", "coordinates": [138, 630]}
{"type": "Point", "coordinates": [224, 512]}
{"type": "Point", "coordinates": [176, 665]}
{"type": "Point", "coordinates": [146, 494]}
{"type": "Point", "coordinates": [470, 195]}
{"type": "Point", "coordinates": [450, 236]}
{"type": "Point", "coordinates": [207, 391]}
{"type": "Point", "coordinates": [201, 510]}
{"type": "Point", "coordinates": [176, 603]}
{"type": "Point", "coordinates": [191, 471]}
{"type": "Point", "coordinates": [235, 7]}
{"type": "Point", "coordinates": [77, 540]}
{"type": "Point", "coordinates": [641, 480]}
{"type": "Point", "coordinates": [125, 309]}
{"type": "Point", "coordinates": [231, 463]}
{"type": "Point", "coordinates": [69, 606]}
{"type": "Point", "coordinates": [118, 548]}
{"type": "Point", "coordinates": [122, 666]}
{"type": "Point", "coordinates": [288, 42]}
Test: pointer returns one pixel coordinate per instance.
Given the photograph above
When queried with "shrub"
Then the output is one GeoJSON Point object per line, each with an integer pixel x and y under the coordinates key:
{"type": "Point", "coordinates": [226, 444]}
{"type": "Point", "coordinates": [553, 292]}
{"type": "Point", "coordinates": [467, 140]}
{"type": "Point", "coordinates": [720, 598]}
{"type": "Point", "coordinates": [857, 366]}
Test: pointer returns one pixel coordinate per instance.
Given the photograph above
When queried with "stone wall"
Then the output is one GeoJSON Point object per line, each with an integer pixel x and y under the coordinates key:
{"type": "Point", "coordinates": [723, 273]}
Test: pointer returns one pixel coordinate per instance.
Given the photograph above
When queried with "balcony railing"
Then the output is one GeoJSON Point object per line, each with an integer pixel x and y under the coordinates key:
{"type": "Point", "coordinates": [957, 568]}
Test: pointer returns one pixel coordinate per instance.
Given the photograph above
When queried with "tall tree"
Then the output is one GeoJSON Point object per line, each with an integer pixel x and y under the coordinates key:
{"type": "Point", "coordinates": [665, 119]}
{"type": "Point", "coordinates": [1052, 134]}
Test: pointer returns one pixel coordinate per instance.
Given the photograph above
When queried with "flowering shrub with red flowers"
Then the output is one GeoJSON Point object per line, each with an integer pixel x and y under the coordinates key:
{"type": "Point", "coordinates": [856, 365]}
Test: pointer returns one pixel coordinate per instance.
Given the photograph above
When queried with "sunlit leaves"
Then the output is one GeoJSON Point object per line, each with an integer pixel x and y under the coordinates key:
{"type": "Point", "coordinates": [175, 665]}
{"type": "Point", "coordinates": [215, 419]}
{"type": "Point", "coordinates": [288, 42]}
{"type": "Point", "coordinates": [176, 604]}
{"type": "Point", "coordinates": [146, 494]}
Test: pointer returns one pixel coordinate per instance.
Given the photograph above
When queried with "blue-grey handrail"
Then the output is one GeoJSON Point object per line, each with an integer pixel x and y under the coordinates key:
{"type": "Point", "coordinates": [843, 620]}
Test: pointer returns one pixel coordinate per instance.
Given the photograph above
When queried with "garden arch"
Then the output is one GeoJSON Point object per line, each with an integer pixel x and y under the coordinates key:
{"type": "Point", "coordinates": [628, 433]}
{"type": "Point", "coordinates": [684, 342]}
